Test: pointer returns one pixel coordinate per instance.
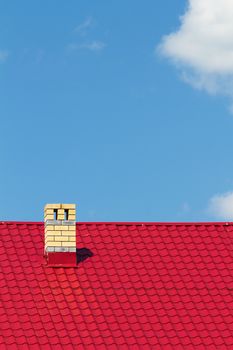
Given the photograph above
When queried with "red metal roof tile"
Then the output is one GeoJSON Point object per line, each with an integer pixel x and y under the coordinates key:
{"type": "Point", "coordinates": [146, 286]}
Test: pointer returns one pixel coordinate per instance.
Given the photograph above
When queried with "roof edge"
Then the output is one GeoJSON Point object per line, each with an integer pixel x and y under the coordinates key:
{"type": "Point", "coordinates": [138, 223]}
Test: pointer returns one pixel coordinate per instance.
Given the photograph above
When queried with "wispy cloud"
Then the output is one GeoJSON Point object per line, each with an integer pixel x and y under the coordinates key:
{"type": "Point", "coordinates": [4, 54]}
{"type": "Point", "coordinates": [85, 42]}
{"type": "Point", "coordinates": [83, 27]}
{"type": "Point", "coordinates": [94, 46]}
{"type": "Point", "coordinates": [221, 206]}
{"type": "Point", "coordinates": [202, 48]}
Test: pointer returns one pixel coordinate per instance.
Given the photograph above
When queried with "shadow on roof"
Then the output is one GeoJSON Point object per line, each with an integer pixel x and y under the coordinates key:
{"type": "Point", "coordinates": [83, 254]}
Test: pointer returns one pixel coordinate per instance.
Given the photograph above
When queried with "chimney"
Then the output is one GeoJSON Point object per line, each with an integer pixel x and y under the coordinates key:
{"type": "Point", "coordinates": [60, 234]}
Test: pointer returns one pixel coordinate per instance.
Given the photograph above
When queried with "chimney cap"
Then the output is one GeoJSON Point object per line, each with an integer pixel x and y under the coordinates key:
{"type": "Point", "coordinates": [60, 206]}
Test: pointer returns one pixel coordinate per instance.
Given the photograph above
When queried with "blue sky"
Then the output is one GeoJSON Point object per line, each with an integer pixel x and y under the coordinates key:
{"type": "Point", "coordinates": [95, 111]}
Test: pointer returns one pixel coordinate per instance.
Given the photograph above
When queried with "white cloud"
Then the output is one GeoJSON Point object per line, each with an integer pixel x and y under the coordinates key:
{"type": "Point", "coordinates": [221, 206]}
{"type": "Point", "coordinates": [94, 46]}
{"type": "Point", "coordinates": [82, 28]}
{"type": "Point", "coordinates": [203, 45]}
{"type": "Point", "coordinates": [4, 54]}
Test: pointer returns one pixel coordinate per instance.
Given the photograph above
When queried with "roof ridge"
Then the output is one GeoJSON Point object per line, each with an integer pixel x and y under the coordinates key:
{"type": "Point", "coordinates": [159, 223]}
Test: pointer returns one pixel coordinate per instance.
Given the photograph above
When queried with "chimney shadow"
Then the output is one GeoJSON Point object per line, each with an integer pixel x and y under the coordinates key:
{"type": "Point", "coordinates": [83, 254]}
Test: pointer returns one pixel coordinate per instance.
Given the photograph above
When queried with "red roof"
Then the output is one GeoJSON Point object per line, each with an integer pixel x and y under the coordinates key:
{"type": "Point", "coordinates": [147, 285]}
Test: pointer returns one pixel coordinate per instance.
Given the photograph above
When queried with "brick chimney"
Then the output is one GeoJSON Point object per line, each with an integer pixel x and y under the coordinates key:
{"type": "Point", "coordinates": [60, 234]}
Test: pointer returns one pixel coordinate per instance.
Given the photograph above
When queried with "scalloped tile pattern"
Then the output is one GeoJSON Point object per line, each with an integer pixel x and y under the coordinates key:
{"type": "Point", "coordinates": [147, 286]}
